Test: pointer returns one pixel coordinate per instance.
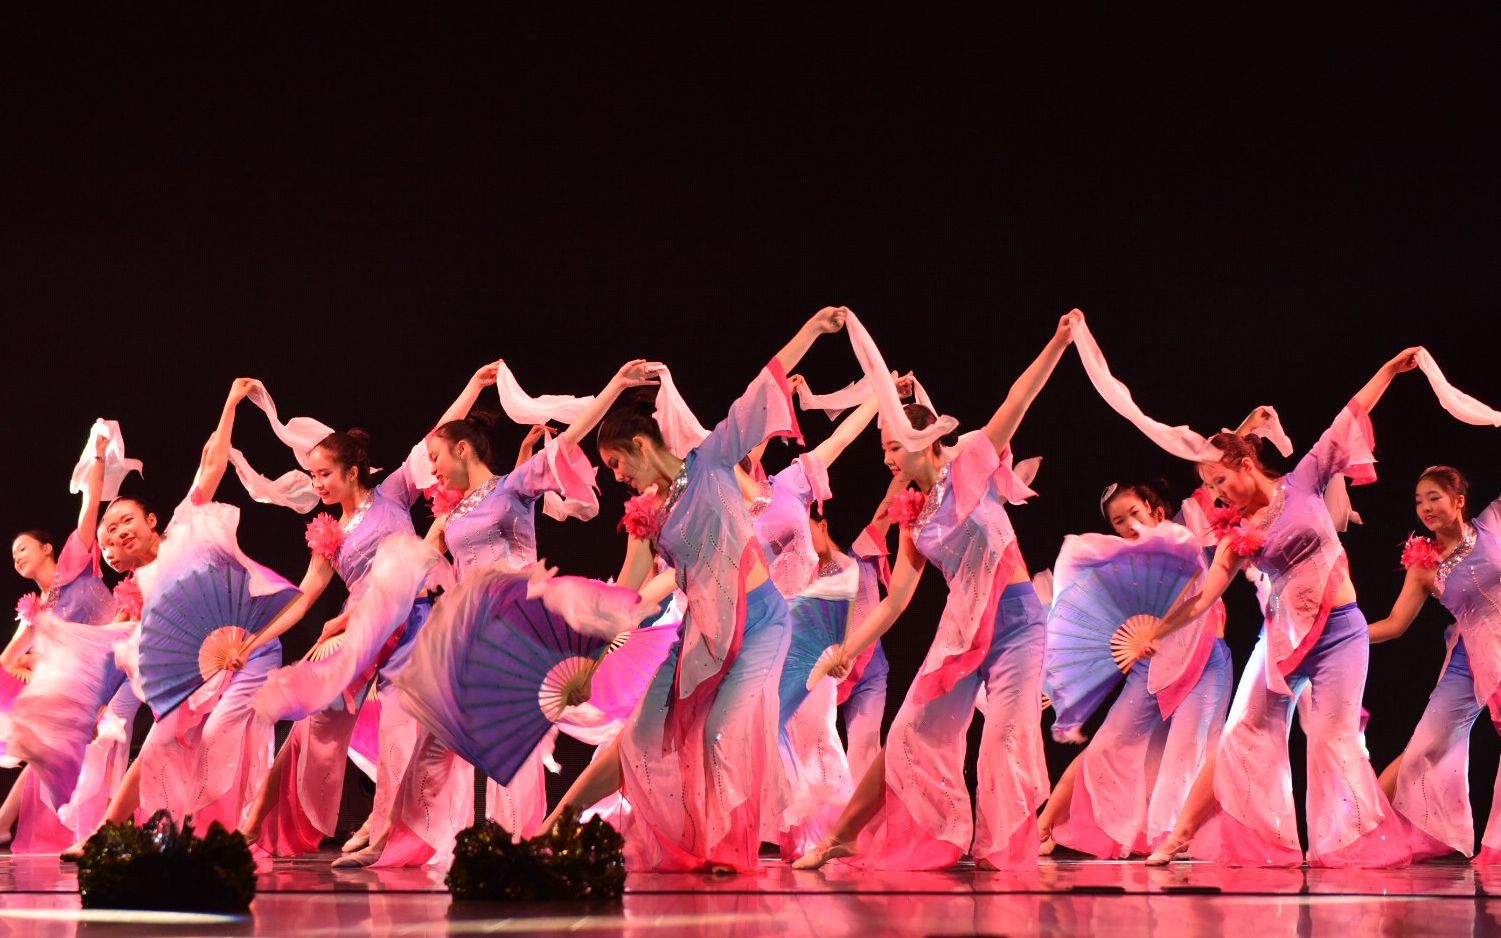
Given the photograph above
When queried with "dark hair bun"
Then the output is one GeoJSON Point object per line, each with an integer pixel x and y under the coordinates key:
{"type": "Point", "coordinates": [359, 436]}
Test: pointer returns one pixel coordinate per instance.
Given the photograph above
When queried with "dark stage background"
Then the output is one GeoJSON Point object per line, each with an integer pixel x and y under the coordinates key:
{"type": "Point", "coordinates": [360, 213]}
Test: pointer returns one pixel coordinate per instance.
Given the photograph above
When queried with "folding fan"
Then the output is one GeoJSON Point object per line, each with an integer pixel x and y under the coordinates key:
{"type": "Point", "coordinates": [818, 627]}
{"type": "Point", "coordinates": [1103, 610]}
{"type": "Point", "coordinates": [493, 670]}
{"type": "Point", "coordinates": [628, 666]}
{"type": "Point", "coordinates": [194, 624]}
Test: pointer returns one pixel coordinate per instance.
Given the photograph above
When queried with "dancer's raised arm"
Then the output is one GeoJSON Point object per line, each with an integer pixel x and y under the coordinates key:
{"type": "Point", "coordinates": [482, 378]}
{"type": "Point", "coordinates": [1406, 360]}
{"type": "Point", "coordinates": [1008, 416]}
{"type": "Point", "coordinates": [93, 490]}
{"type": "Point", "coordinates": [215, 457]}
{"type": "Point", "coordinates": [634, 373]}
{"type": "Point", "coordinates": [827, 320]}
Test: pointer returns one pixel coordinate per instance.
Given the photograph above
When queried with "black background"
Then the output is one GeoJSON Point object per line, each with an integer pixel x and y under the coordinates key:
{"type": "Point", "coordinates": [360, 212]}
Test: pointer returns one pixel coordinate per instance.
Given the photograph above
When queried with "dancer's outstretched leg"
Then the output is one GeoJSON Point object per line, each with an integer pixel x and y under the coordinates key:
{"type": "Point", "coordinates": [870, 795]}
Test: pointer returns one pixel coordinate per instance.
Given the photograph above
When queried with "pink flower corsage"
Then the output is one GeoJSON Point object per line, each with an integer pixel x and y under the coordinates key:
{"type": "Point", "coordinates": [324, 536]}
{"type": "Point", "coordinates": [128, 598]}
{"type": "Point", "coordinates": [27, 607]}
{"type": "Point", "coordinates": [1246, 541]}
{"type": "Point", "coordinates": [443, 499]}
{"type": "Point", "coordinates": [905, 506]}
{"type": "Point", "coordinates": [641, 520]}
{"type": "Point", "coordinates": [1420, 552]}
{"type": "Point", "coordinates": [1223, 520]}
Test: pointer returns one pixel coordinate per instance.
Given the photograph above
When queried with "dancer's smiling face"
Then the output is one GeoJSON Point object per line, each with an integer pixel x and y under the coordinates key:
{"type": "Point", "coordinates": [332, 481]}
{"type": "Point", "coordinates": [128, 535]}
{"type": "Point", "coordinates": [914, 464]}
{"type": "Point", "coordinates": [1437, 507]}
{"type": "Point", "coordinates": [1126, 511]}
{"type": "Point", "coordinates": [450, 462]}
{"type": "Point", "coordinates": [29, 555]}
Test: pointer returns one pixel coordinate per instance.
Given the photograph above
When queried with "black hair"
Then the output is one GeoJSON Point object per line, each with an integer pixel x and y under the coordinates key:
{"type": "Point", "coordinates": [1449, 479]}
{"type": "Point", "coordinates": [45, 538]}
{"type": "Point", "coordinates": [632, 416]}
{"type": "Point", "coordinates": [478, 430]}
{"type": "Point", "coordinates": [1153, 494]}
{"type": "Point", "coordinates": [350, 448]}
{"type": "Point", "coordinates": [1236, 447]}
{"type": "Point", "coordinates": [921, 418]}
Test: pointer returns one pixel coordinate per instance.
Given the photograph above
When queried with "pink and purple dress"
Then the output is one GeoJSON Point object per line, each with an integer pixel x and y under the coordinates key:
{"type": "Point", "coordinates": [989, 645]}
{"type": "Point", "coordinates": [307, 800]}
{"type": "Point", "coordinates": [1433, 791]}
{"type": "Point", "coordinates": [862, 694]}
{"type": "Point", "coordinates": [1136, 772]}
{"type": "Point", "coordinates": [699, 757]}
{"type": "Point", "coordinates": [493, 524]}
{"type": "Point", "coordinates": [73, 635]}
{"type": "Point", "coordinates": [208, 756]}
{"type": "Point", "coordinates": [1307, 646]}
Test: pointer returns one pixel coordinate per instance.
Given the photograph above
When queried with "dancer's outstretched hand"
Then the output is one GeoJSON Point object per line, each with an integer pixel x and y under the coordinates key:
{"type": "Point", "coordinates": [835, 662]}
{"type": "Point", "coordinates": [638, 372]}
{"type": "Point", "coordinates": [906, 385]}
{"type": "Point", "coordinates": [486, 375]}
{"type": "Point", "coordinates": [829, 319]}
{"type": "Point", "coordinates": [1406, 360]}
{"type": "Point", "coordinates": [1066, 325]}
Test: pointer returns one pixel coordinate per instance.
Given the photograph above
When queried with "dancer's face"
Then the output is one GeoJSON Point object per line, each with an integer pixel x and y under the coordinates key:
{"type": "Point", "coordinates": [900, 459]}
{"type": "Point", "coordinates": [630, 468]}
{"type": "Point", "coordinates": [29, 555]}
{"type": "Point", "coordinates": [1234, 485]}
{"type": "Point", "coordinates": [1126, 511]}
{"type": "Point", "coordinates": [450, 462]}
{"type": "Point", "coordinates": [332, 481]}
{"type": "Point", "coordinates": [130, 537]}
{"type": "Point", "coordinates": [1436, 508]}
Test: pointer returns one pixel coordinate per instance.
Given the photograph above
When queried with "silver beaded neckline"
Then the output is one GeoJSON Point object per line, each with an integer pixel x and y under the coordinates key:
{"type": "Point", "coordinates": [1454, 558]}
{"type": "Point", "coordinates": [934, 500]}
{"type": "Point", "coordinates": [475, 496]}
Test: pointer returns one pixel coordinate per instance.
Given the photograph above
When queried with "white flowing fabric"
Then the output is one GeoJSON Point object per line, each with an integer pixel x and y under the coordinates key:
{"type": "Point", "coordinates": [589, 606]}
{"type": "Point", "coordinates": [835, 402]}
{"type": "Point", "coordinates": [379, 607]}
{"type": "Point", "coordinates": [54, 718]}
{"type": "Point", "coordinates": [525, 409]}
{"type": "Point", "coordinates": [893, 418]}
{"type": "Point", "coordinates": [1183, 442]}
{"type": "Point", "coordinates": [681, 430]}
{"type": "Point", "coordinates": [116, 466]}
{"type": "Point", "coordinates": [1461, 405]}
{"type": "Point", "coordinates": [292, 489]}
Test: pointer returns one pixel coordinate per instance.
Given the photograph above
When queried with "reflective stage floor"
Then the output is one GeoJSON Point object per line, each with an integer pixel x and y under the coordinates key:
{"type": "Point", "coordinates": [1061, 897]}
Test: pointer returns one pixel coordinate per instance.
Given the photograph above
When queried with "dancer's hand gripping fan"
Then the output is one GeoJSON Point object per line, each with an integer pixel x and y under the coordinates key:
{"type": "Point", "coordinates": [1110, 594]}
{"type": "Point", "coordinates": [505, 654]}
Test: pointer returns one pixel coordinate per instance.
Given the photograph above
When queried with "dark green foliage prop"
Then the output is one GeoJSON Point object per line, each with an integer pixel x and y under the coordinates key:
{"type": "Point", "coordinates": [572, 861]}
{"type": "Point", "coordinates": [159, 866]}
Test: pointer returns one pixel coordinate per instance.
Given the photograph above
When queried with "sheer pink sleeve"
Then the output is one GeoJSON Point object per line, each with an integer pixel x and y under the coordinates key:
{"type": "Point", "coordinates": [763, 411]}
{"type": "Point", "coordinates": [1346, 448]}
{"type": "Point", "coordinates": [807, 478]}
{"type": "Point", "coordinates": [561, 469]}
{"type": "Point", "coordinates": [75, 561]}
{"type": "Point", "coordinates": [977, 465]}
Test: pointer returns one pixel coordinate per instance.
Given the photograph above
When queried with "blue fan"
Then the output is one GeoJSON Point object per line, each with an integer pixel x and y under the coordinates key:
{"type": "Point", "coordinates": [1102, 606]}
{"type": "Point", "coordinates": [193, 624]}
{"type": "Point", "coordinates": [517, 668]}
{"type": "Point", "coordinates": [816, 624]}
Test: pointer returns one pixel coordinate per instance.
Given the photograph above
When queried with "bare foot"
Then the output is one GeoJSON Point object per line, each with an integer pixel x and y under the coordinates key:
{"type": "Point", "coordinates": [1047, 844]}
{"type": "Point", "coordinates": [74, 853]}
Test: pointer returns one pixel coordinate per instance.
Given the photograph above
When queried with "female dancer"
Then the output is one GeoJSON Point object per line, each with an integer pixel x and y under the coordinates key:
{"type": "Point", "coordinates": [493, 523]}
{"type": "Point", "coordinates": [299, 803]}
{"type": "Point", "coordinates": [71, 589]}
{"type": "Point", "coordinates": [194, 763]}
{"type": "Point", "coordinates": [1122, 794]}
{"type": "Point", "coordinates": [1315, 639]}
{"type": "Point", "coordinates": [693, 762]}
{"type": "Point", "coordinates": [820, 767]}
{"type": "Point", "coordinates": [911, 809]}
{"type": "Point", "coordinates": [1460, 564]}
